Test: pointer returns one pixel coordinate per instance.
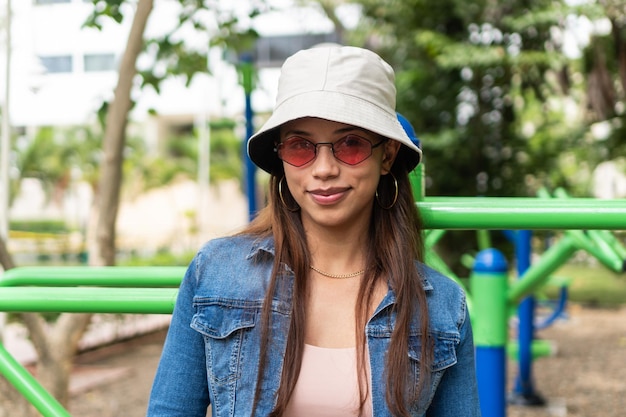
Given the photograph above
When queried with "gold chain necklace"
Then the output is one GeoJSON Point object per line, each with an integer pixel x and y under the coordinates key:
{"type": "Point", "coordinates": [338, 276]}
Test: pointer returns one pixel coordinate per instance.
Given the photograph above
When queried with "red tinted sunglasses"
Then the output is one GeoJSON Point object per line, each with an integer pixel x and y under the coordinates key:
{"type": "Point", "coordinates": [350, 149]}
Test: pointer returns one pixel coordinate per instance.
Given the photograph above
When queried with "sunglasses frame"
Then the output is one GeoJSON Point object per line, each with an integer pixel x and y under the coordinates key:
{"type": "Point", "coordinates": [332, 148]}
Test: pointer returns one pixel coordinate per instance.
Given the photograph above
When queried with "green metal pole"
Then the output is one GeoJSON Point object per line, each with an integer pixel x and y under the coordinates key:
{"type": "Point", "coordinates": [29, 387]}
{"type": "Point", "coordinates": [106, 276]}
{"type": "Point", "coordinates": [489, 289]}
{"type": "Point", "coordinates": [88, 300]}
{"type": "Point", "coordinates": [433, 236]}
{"type": "Point", "coordinates": [539, 272]}
{"type": "Point", "coordinates": [617, 246]}
{"type": "Point", "coordinates": [598, 248]}
{"type": "Point", "coordinates": [522, 213]}
{"type": "Point", "coordinates": [605, 240]}
{"type": "Point", "coordinates": [484, 239]}
{"type": "Point", "coordinates": [417, 182]}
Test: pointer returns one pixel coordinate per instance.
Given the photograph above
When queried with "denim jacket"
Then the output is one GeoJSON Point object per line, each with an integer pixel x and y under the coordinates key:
{"type": "Point", "coordinates": [211, 353]}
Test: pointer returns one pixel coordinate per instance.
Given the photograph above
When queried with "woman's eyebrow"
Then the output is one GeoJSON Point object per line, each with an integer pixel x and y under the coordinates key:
{"type": "Point", "coordinates": [352, 129]}
{"type": "Point", "coordinates": [295, 132]}
{"type": "Point", "coordinates": [339, 131]}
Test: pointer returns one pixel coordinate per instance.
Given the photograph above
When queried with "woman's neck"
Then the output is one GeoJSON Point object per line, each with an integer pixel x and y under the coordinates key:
{"type": "Point", "coordinates": [337, 252]}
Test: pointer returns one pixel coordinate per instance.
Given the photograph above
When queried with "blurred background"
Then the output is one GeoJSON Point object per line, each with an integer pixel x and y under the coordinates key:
{"type": "Point", "coordinates": [506, 97]}
{"type": "Point", "coordinates": [123, 122]}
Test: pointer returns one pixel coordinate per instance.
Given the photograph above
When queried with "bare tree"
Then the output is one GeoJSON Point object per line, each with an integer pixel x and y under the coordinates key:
{"type": "Point", "coordinates": [114, 141]}
{"type": "Point", "coordinates": [56, 343]}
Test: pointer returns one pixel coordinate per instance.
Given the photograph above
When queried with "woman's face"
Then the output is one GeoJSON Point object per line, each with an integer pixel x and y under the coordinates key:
{"type": "Point", "coordinates": [332, 193]}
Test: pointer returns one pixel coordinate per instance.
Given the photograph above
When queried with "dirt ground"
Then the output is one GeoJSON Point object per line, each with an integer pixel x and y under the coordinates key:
{"type": "Point", "coordinates": [585, 378]}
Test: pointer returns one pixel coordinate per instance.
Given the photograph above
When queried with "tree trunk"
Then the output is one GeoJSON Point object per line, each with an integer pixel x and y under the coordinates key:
{"type": "Point", "coordinates": [619, 37]}
{"type": "Point", "coordinates": [114, 142]}
{"type": "Point", "coordinates": [56, 345]}
{"type": "Point", "coordinates": [5, 257]}
{"type": "Point", "coordinates": [601, 93]}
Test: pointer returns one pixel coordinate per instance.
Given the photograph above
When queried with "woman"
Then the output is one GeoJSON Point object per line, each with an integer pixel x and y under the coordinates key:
{"type": "Point", "coordinates": [321, 306]}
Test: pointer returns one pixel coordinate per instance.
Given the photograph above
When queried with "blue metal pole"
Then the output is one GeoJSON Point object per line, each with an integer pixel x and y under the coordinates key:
{"type": "Point", "coordinates": [250, 167]}
{"type": "Point", "coordinates": [488, 283]}
{"type": "Point", "coordinates": [247, 74]}
{"type": "Point", "coordinates": [523, 391]}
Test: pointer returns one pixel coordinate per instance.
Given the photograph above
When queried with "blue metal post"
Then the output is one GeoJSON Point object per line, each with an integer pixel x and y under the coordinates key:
{"type": "Point", "coordinates": [247, 72]}
{"type": "Point", "coordinates": [523, 392]}
{"type": "Point", "coordinates": [488, 283]}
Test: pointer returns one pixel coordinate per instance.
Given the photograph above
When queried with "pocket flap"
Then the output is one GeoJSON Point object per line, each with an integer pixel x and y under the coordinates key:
{"type": "Point", "coordinates": [220, 318]}
{"type": "Point", "coordinates": [444, 352]}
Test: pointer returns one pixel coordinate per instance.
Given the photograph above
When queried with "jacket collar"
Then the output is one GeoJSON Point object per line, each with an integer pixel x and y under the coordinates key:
{"type": "Point", "coordinates": [265, 245]}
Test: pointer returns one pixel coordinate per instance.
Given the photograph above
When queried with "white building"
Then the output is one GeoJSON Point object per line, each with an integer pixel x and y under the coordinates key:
{"type": "Point", "coordinates": [62, 72]}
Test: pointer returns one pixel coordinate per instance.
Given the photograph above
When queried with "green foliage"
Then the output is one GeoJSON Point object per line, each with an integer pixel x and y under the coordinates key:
{"type": "Point", "coordinates": [172, 56]}
{"type": "Point", "coordinates": [470, 77]}
{"type": "Point", "coordinates": [57, 156]}
{"type": "Point", "coordinates": [180, 158]}
{"type": "Point", "coordinates": [226, 152]}
{"type": "Point", "coordinates": [110, 8]}
{"type": "Point", "coordinates": [498, 107]}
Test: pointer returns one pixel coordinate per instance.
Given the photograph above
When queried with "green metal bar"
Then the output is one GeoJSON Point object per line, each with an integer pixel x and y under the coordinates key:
{"type": "Point", "coordinates": [540, 271]}
{"type": "Point", "coordinates": [416, 177]}
{"type": "Point", "coordinates": [605, 240]}
{"type": "Point", "coordinates": [538, 349]}
{"type": "Point", "coordinates": [490, 308]}
{"type": "Point", "coordinates": [88, 300]}
{"type": "Point", "coordinates": [597, 248]}
{"type": "Point", "coordinates": [543, 193]}
{"type": "Point", "coordinates": [522, 213]}
{"type": "Point", "coordinates": [433, 236]}
{"type": "Point", "coordinates": [29, 387]}
{"type": "Point", "coordinates": [610, 238]}
{"type": "Point", "coordinates": [106, 276]}
{"type": "Point", "coordinates": [484, 239]}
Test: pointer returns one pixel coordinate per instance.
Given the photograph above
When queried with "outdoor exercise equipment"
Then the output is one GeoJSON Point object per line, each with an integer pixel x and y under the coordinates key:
{"type": "Point", "coordinates": [599, 243]}
{"type": "Point", "coordinates": [79, 289]}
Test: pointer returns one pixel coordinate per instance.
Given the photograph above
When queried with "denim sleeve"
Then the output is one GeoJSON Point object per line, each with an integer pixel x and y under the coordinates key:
{"type": "Point", "coordinates": [457, 393]}
{"type": "Point", "coordinates": [180, 386]}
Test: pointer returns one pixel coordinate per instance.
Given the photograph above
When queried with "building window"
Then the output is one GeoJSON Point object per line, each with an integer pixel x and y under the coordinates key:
{"type": "Point", "coordinates": [99, 62]}
{"type": "Point", "coordinates": [57, 64]}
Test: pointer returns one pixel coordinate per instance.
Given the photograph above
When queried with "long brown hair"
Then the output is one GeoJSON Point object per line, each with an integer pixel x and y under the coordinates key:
{"type": "Point", "coordinates": [395, 242]}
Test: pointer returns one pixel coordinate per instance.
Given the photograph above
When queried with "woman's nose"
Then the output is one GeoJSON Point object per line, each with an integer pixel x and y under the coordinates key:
{"type": "Point", "coordinates": [325, 163]}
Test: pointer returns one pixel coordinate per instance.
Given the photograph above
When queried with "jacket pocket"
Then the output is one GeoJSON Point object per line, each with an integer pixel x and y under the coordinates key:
{"type": "Point", "coordinates": [444, 356]}
{"type": "Point", "coordinates": [226, 326]}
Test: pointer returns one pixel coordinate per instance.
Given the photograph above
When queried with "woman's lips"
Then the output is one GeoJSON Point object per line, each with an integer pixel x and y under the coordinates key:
{"type": "Point", "coordinates": [328, 196]}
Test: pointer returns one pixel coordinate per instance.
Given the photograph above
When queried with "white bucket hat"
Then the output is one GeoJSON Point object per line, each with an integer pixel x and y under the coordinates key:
{"type": "Point", "coordinates": [340, 83]}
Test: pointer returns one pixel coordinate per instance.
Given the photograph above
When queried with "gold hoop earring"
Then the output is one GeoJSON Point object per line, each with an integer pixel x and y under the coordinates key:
{"type": "Point", "coordinates": [282, 199]}
{"type": "Point", "coordinates": [395, 196]}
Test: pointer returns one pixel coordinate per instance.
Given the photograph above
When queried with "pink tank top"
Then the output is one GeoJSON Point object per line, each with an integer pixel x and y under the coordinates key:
{"type": "Point", "coordinates": [328, 385]}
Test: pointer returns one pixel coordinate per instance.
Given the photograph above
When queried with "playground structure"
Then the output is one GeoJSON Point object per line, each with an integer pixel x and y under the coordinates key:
{"type": "Point", "coordinates": [491, 295]}
{"type": "Point", "coordinates": [600, 244]}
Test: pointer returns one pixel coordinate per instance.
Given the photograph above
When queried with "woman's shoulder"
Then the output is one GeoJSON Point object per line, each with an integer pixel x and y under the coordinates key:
{"type": "Point", "coordinates": [437, 282]}
{"type": "Point", "coordinates": [446, 297]}
{"type": "Point", "coordinates": [236, 246]}
{"type": "Point", "coordinates": [228, 265]}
